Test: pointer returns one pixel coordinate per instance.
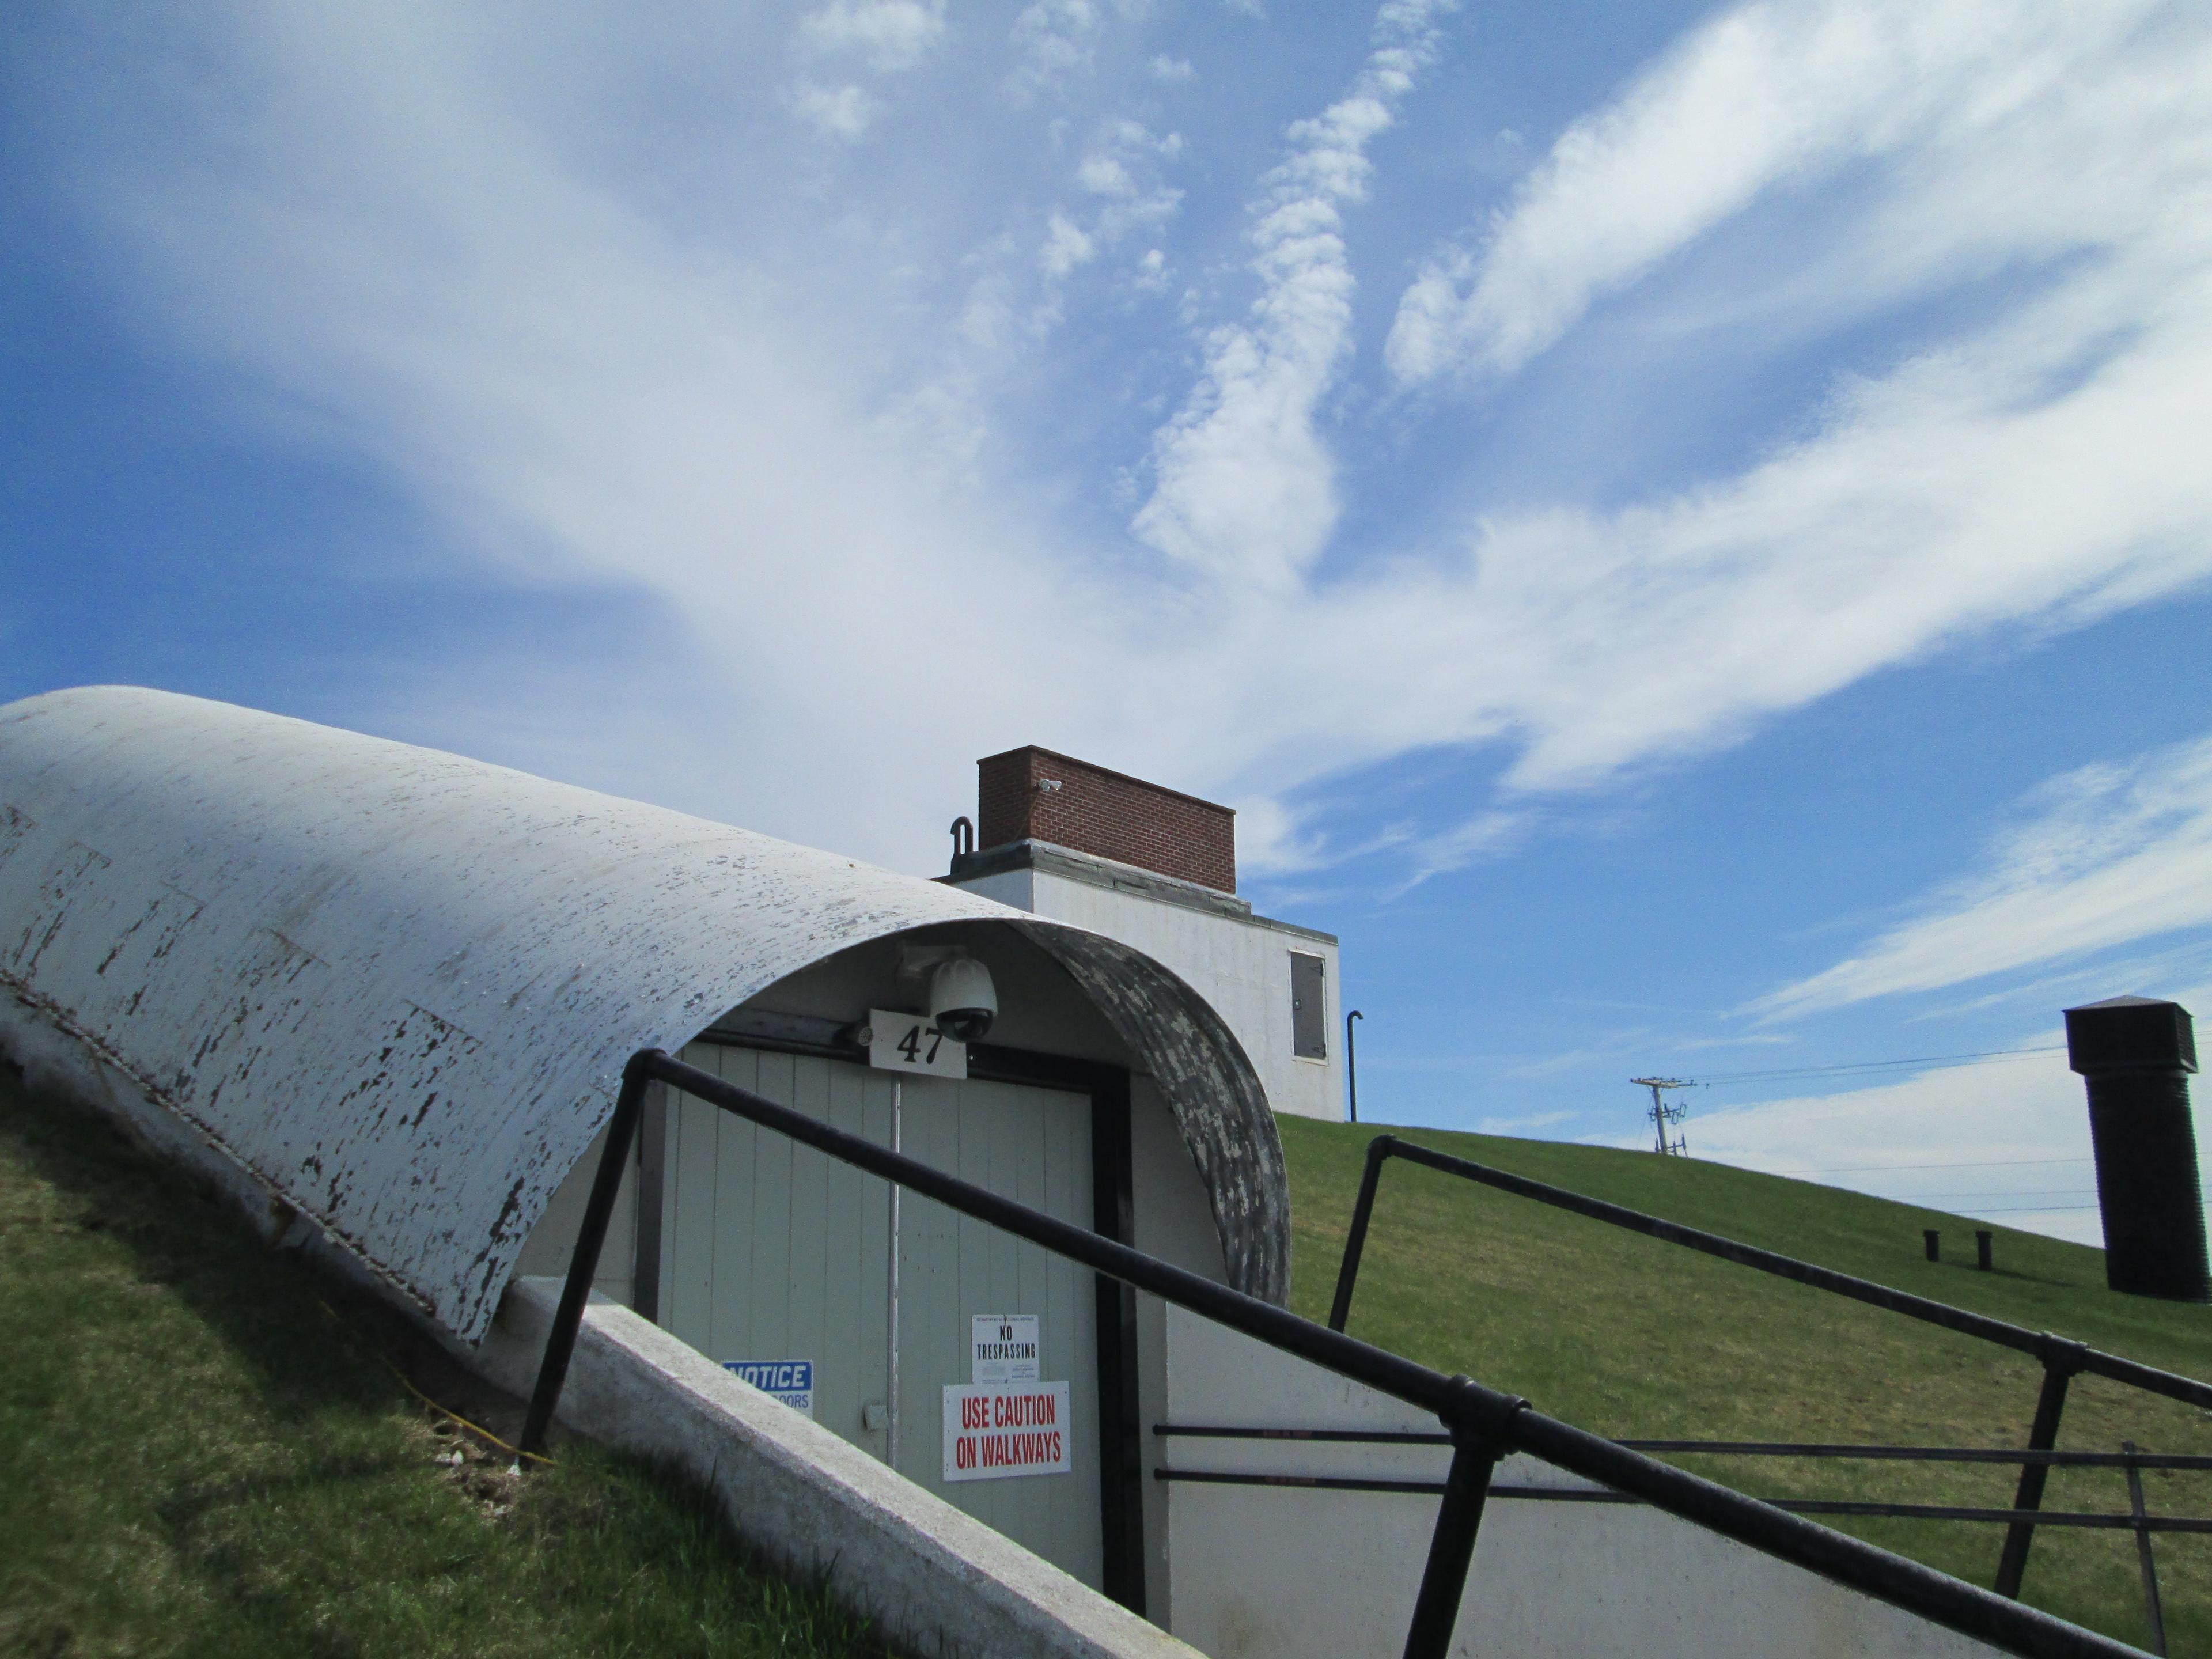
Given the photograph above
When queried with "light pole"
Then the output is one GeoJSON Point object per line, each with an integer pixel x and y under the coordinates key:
{"type": "Point", "coordinates": [1351, 1063]}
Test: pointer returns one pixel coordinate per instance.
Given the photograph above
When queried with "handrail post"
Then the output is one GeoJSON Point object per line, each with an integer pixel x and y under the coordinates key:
{"type": "Point", "coordinates": [1377, 1150]}
{"type": "Point", "coordinates": [2153, 1609]}
{"type": "Point", "coordinates": [1476, 1448]}
{"type": "Point", "coordinates": [2061, 1359]}
{"type": "Point", "coordinates": [584, 1265]}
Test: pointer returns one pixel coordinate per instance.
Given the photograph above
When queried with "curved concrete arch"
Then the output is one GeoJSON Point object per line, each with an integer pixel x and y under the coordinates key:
{"type": "Point", "coordinates": [397, 986]}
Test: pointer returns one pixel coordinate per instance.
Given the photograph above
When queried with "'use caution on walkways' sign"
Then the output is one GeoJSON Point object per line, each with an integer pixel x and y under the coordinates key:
{"type": "Point", "coordinates": [995, 1430]}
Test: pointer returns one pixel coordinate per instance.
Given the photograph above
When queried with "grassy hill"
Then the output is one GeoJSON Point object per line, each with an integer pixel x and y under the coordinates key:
{"type": "Point", "coordinates": [199, 1458]}
{"type": "Point", "coordinates": [1641, 1339]}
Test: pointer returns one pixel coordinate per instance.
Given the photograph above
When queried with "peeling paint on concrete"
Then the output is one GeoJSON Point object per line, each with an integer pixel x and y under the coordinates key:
{"type": "Point", "coordinates": [398, 985]}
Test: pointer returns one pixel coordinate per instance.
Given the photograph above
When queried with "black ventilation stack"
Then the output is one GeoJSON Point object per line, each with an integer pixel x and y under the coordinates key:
{"type": "Point", "coordinates": [2135, 1055]}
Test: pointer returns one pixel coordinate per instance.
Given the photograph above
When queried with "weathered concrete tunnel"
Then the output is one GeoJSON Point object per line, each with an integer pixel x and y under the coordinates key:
{"type": "Point", "coordinates": [391, 991]}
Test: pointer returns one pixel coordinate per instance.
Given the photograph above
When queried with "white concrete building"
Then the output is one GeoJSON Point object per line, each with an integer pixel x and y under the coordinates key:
{"type": "Point", "coordinates": [1157, 869]}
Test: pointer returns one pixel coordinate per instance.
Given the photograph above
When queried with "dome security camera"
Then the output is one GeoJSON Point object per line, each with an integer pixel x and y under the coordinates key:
{"type": "Point", "coordinates": [963, 1001]}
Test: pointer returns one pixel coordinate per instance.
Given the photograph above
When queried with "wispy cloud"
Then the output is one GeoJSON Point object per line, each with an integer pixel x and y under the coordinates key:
{"type": "Point", "coordinates": [1066, 247]}
{"type": "Point", "coordinates": [1120, 190]}
{"type": "Point", "coordinates": [890, 34]}
{"type": "Point", "coordinates": [834, 112]}
{"type": "Point", "coordinates": [1490, 834]}
{"type": "Point", "coordinates": [2106, 856]}
{"type": "Point", "coordinates": [885, 36]}
{"type": "Point", "coordinates": [1556, 1065]}
{"type": "Point", "coordinates": [1526, 1124]}
{"type": "Point", "coordinates": [1763, 96]}
{"type": "Point", "coordinates": [734, 400]}
{"type": "Point", "coordinates": [1245, 487]}
{"type": "Point", "coordinates": [1988, 1130]}
{"type": "Point", "coordinates": [1055, 39]}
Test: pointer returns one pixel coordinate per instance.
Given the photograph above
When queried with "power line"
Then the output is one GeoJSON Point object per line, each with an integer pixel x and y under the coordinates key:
{"type": "Point", "coordinates": [1941, 1199]}
{"type": "Point", "coordinates": [1881, 1065]}
{"type": "Point", "coordinates": [1983, 1163]}
{"type": "Point", "coordinates": [1961, 1198]}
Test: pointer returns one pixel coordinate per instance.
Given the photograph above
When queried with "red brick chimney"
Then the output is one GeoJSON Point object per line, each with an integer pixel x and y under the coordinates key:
{"type": "Point", "coordinates": [1033, 794]}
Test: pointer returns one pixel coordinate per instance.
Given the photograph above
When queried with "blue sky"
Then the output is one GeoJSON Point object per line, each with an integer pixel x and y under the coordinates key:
{"type": "Point", "coordinates": [1683, 532]}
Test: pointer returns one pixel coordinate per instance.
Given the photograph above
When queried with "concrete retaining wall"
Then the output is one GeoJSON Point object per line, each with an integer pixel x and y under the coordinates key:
{"type": "Point", "coordinates": [1297, 1573]}
{"type": "Point", "coordinates": [937, 1580]}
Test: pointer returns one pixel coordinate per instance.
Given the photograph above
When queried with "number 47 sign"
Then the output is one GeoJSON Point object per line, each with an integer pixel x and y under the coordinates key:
{"type": "Point", "coordinates": [910, 1042]}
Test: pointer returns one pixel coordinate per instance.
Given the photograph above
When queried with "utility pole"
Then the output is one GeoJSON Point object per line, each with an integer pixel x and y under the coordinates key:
{"type": "Point", "coordinates": [1663, 1114]}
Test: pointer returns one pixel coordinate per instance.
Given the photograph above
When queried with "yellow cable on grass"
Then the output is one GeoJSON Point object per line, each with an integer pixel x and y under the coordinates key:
{"type": "Point", "coordinates": [443, 1411]}
{"type": "Point", "coordinates": [446, 1410]}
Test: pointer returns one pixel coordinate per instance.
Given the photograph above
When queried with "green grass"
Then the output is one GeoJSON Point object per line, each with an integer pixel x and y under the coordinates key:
{"type": "Point", "coordinates": [197, 1458]}
{"type": "Point", "coordinates": [1637, 1339]}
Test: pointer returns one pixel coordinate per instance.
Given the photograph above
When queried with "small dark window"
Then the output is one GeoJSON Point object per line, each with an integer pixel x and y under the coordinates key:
{"type": "Point", "coordinates": [1309, 1007]}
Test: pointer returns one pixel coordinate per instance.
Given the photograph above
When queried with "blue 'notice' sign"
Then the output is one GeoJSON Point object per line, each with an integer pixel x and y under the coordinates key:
{"type": "Point", "coordinates": [791, 1381]}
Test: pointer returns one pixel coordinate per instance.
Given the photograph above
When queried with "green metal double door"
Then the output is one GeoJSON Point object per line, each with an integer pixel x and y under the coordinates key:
{"type": "Point", "coordinates": [770, 1252]}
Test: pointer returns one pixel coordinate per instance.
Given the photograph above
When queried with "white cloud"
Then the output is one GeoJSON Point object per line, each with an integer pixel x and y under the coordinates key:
{"type": "Point", "coordinates": [1526, 1124]}
{"type": "Point", "coordinates": [1774, 93]}
{"type": "Point", "coordinates": [1064, 247]}
{"type": "Point", "coordinates": [1119, 172]}
{"type": "Point", "coordinates": [1055, 39]}
{"type": "Point", "coordinates": [1490, 834]}
{"type": "Point", "coordinates": [575, 395]}
{"type": "Point", "coordinates": [2009, 1141]}
{"type": "Point", "coordinates": [2107, 856]}
{"type": "Point", "coordinates": [1164, 67]}
{"type": "Point", "coordinates": [1245, 486]}
{"type": "Point", "coordinates": [1269, 838]}
{"type": "Point", "coordinates": [835, 113]}
{"type": "Point", "coordinates": [892, 35]}
{"type": "Point", "coordinates": [1105, 175]}
{"type": "Point", "coordinates": [736, 404]}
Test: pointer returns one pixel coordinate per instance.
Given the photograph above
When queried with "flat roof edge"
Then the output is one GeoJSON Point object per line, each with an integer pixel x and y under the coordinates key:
{"type": "Point", "coordinates": [1048, 858]}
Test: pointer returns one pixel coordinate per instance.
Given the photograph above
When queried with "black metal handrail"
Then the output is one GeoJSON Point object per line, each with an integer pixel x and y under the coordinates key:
{"type": "Point", "coordinates": [1484, 1425]}
{"type": "Point", "coordinates": [2131, 1459]}
{"type": "Point", "coordinates": [2131, 1462]}
{"type": "Point", "coordinates": [1813, 1448]}
{"type": "Point", "coordinates": [2095, 1519]}
{"type": "Point", "coordinates": [2060, 1357]}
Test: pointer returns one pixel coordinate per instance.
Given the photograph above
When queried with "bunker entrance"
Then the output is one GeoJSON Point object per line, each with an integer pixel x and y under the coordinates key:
{"type": "Point", "coordinates": [968, 1360]}
{"type": "Point", "coordinates": [999, 1376]}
